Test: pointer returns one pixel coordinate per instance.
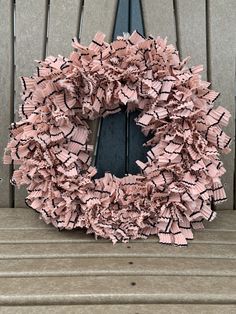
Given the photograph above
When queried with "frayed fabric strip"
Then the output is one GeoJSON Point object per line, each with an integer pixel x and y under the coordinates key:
{"type": "Point", "coordinates": [173, 192]}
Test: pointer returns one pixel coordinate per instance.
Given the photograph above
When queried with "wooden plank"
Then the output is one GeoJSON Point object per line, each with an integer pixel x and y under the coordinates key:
{"type": "Point", "coordinates": [121, 289]}
{"type": "Point", "coordinates": [111, 150]}
{"type": "Point", "coordinates": [31, 17]}
{"type": "Point", "coordinates": [98, 15]}
{"type": "Point", "coordinates": [6, 95]}
{"type": "Point", "coordinates": [64, 20]}
{"type": "Point", "coordinates": [101, 249]}
{"type": "Point", "coordinates": [136, 139]}
{"type": "Point", "coordinates": [124, 266]}
{"type": "Point", "coordinates": [52, 235]}
{"type": "Point", "coordinates": [159, 19]}
{"type": "Point", "coordinates": [27, 218]}
{"type": "Point", "coordinates": [222, 49]}
{"type": "Point", "coordinates": [122, 308]}
{"type": "Point", "coordinates": [191, 31]}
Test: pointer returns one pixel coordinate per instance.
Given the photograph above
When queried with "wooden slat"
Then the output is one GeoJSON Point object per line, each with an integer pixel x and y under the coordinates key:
{"type": "Point", "coordinates": [52, 235]}
{"type": "Point", "coordinates": [222, 50]}
{"type": "Point", "coordinates": [123, 308]}
{"type": "Point", "coordinates": [6, 95]}
{"type": "Point", "coordinates": [30, 26]}
{"type": "Point", "coordinates": [124, 266]}
{"type": "Point", "coordinates": [111, 150]}
{"type": "Point", "coordinates": [159, 19]}
{"type": "Point", "coordinates": [136, 139]}
{"type": "Point", "coordinates": [64, 19]}
{"type": "Point", "coordinates": [98, 15]}
{"type": "Point", "coordinates": [121, 289]}
{"type": "Point", "coordinates": [26, 218]}
{"type": "Point", "coordinates": [101, 249]}
{"type": "Point", "coordinates": [191, 32]}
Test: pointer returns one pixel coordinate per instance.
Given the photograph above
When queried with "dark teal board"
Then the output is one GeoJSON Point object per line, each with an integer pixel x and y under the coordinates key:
{"type": "Point", "coordinates": [120, 141]}
{"type": "Point", "coordinates": [111, 149]}
{"type": "Point", "coordinates": [136, 139]}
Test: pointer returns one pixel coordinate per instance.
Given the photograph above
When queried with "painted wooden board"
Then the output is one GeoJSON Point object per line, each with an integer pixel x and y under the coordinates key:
{"type": "Point", "coordinates": [98, 15]}
{"type": "Point", "coordinates": [222, 51]}
{"type": "Point", "coordinates": [191, 32]}
{"type": "Point", "coordinates": [63, 25]}
{"type": "Point", "coordinates": [52, 235]}
{"type": "Point", "coordinates": [101, 249]}
{"type": "Point", "coordinates": [111, 151]}
{"type": "Point", "coordinates": [30, 28]}
{"type": "Point", "coordinates": [6, 96]}
{"type": "Point", "coordinates": [123, 308]}
{"type": "Point", "coordinates": [118, 266]}
{"type": "Point", "coordinates": [121, 289]}
{"type": "Point", "coordinates": [27, 218]}
{"type": "Point", "coordinates": [159, 19]}
{"type": "Point", "coordinates": [135, 138]}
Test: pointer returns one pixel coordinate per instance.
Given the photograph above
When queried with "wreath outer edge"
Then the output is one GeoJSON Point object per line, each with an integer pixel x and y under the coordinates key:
{"type": "Point", "coordinates": [175, 188]}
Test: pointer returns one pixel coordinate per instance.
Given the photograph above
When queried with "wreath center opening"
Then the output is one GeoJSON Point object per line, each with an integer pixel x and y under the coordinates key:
{"type": "Point", "coordinates": [120, 144]}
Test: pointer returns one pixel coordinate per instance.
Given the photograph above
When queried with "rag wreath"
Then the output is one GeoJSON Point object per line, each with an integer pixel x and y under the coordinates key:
{"type": "Point", "coordinates": [174, 190]}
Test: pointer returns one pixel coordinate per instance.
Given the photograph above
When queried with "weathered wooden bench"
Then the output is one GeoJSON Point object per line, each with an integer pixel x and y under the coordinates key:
{"type": "Point", "coordinates": [42, 269]}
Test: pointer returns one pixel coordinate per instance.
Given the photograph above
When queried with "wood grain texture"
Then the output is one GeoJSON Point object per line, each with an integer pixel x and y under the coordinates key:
{"type": "Point", "coordinates": [6, 96]}
{"type": "Point", "coordinates": [191, 29]}
{"type": "Point", "coordinates": [64, 19]}
{"type": "Point", "coordinates": [118, 266]}
{"type": "Point", "coordinates": [122, 309]}
{"type": "Point", "coordinates": [121, 289]}
{"type": "Point", "coordinates": [222, 50]}
{"type": "Point", "coordinates": [30, 25]}
{"type": "Point", "coordinates": [100, 249]}
{"type": "Point", "coordinates": [48, 267]}
{"type": "Point", "coordinates": [159, 19]}
{"type": "Point", "coordinates": [98, 15]}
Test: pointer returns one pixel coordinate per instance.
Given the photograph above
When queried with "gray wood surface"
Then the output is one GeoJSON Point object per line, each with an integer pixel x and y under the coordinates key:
{"type": "Point", "coordinates": [101, 249]}
{"type": "Point", "coordinates": [191, 31]}
{"type": "Point", "coordinates": [63, 25]}
{"type": "Point", "coordinates": [6, 96]}
{"type": "Point", "coordinates": [123, 309]}
{"type": "Point", "coordinates": [114, 266]}
{"type": "Point", "coordinates": [222, 51]}
{"type": "Point", "coordinates": [48, 267]}
{"type": "Point", "coordinates": [159, 19]}
{"type": "Point", "coordinates": [121, 289]}
{"type": "Point", "coordinates": [30, 29]}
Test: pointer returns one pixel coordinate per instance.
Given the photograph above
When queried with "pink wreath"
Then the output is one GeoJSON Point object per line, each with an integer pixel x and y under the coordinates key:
{"type": "Point", "coordinates": [173, 192]}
